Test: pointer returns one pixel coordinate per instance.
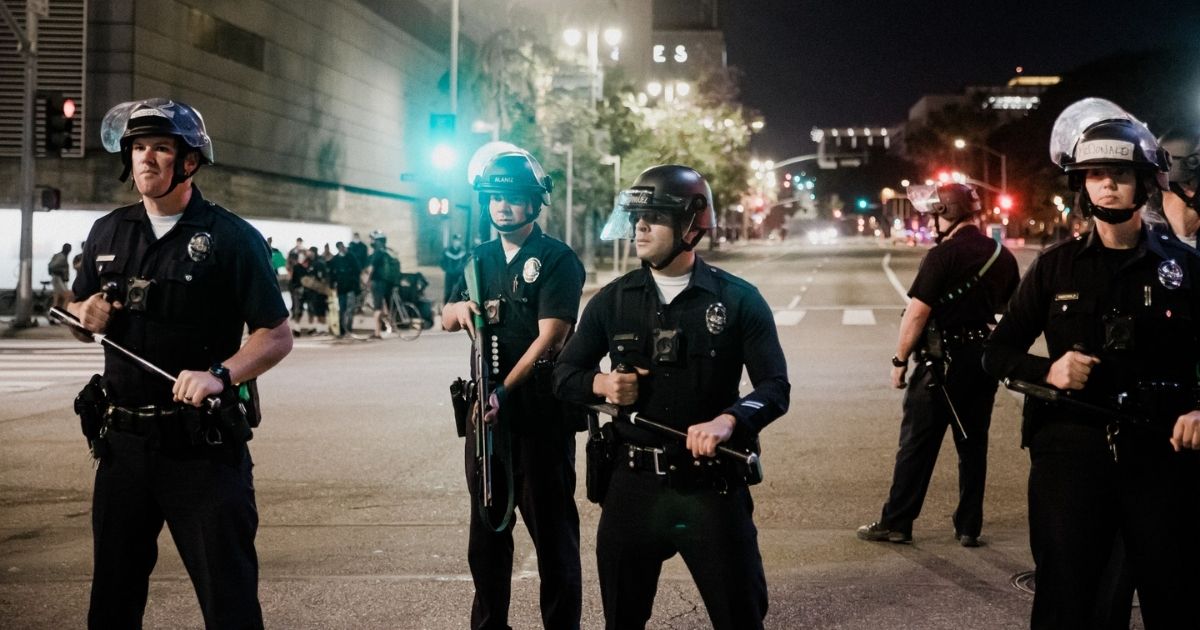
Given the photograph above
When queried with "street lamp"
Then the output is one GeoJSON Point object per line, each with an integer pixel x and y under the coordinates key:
{"type": "Point", "coordinates": [483, 126]}
{"type": "Point", "coordinates": [615, 161]}
{"type": "Point", "coordinates": [612, 36]}
{"type": "Point", "coordinates": [569, 151]}
{"type": "Point", "coordinates": [959, 143]}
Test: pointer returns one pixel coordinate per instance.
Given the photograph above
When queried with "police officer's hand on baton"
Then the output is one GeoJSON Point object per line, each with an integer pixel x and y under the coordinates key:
{"type": "Point", "coordinates": [94, 312]}
{"type": "Point", "coordinates": [1072, 369]}
{"type": "Point", "coordinates": [189, 387]}
{"type": "Point", "coordinates": [1187, 432]}
{"type": "Point", "coordinates": [703, 438]}
{"type": "Point", "coordinates": [619, 387]}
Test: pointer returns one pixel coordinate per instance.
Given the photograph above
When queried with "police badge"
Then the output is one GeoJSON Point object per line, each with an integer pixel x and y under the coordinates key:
{"type": "Point", "coordinates": [715, 318]}
{"type": "Point", "coordinates": [531, 271]}
{"type": "Point", "coordinates": [200, 246]}
{"type": "Point", "coordinates": [1170, 274]}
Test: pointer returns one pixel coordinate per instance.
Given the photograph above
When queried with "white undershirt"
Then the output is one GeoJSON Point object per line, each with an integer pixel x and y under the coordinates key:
{"type": "Point", "coordinates": [669, 287]}
{"type": "Point", "coordinates": [162, 225]}
{"type": "Point", "coordinates": [510, 254]}
{"type": "Point", "coordinates": [1190, 240]}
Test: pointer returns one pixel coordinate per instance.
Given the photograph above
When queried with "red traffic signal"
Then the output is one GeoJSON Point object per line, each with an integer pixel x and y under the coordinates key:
{"type": "Point", "coordinates": [59, 123]}
{"type": "Point", "coordinates": [1006, 202]}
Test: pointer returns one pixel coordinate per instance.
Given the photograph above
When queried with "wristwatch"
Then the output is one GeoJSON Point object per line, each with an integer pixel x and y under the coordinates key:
{"type": "Point", "coordinates": [220, 371]}
{"type": "Point", "coordinates": [898, 362]}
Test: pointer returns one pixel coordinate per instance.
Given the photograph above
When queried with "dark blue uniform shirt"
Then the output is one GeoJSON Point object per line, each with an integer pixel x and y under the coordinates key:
{"type": "Point", "coordinates": [1075, 292]}
{"type": "Point", "coordinates": [724, 323]}
{"type": "Point", "coordinates": [543, 281]}
{"type": "Point", "coordinates": [210, 276]}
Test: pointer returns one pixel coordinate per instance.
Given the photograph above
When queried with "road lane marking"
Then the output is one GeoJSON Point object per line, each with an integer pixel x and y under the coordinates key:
{"type": "Point", "coordinates": [891, 276]}
{"type": "Point", "coordinates": [6, 365]}
{"type": "Point", "coordinates": [21, 386]}
{"type": "Point", "coordinates": [63, 374]}
{"type": "Point", "coordinates": [789, 317]}
{"type": "Point", "coordinates": [858, 317]}
{"type": "Point", "coordinates": [795, 301]}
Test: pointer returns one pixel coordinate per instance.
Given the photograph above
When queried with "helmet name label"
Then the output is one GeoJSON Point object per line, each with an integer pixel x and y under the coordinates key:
{"type": "Point", "coordinates": [1104, 150]}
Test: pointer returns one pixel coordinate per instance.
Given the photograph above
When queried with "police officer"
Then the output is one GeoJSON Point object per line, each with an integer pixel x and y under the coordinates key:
{"type": "Point", "coordinates": [186, 276]}
{"type": "Point", "coordinates": [1179, 202]}
{"type": "Point", "coordinates": [531, 285]}
{"type": "Point", "coordinates": [683, 330]}
{"type": "Point", "coordinates": [454, 258]}
{"type": "Point", "coordinates": [1118, 309]}
{"type": "Point", "coordinates": [962, 282]}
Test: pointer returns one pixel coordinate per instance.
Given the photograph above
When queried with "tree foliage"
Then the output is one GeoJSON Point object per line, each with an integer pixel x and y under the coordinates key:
{"type": "Point", "coordinates": [539, 105]}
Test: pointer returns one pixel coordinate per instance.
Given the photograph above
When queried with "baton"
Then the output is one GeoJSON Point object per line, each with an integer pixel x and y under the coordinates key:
{"type": "Point", "coordinates": [1057, 396]}
{"type": "Point", "coordinates": [953, 411]}
{"type": "Point", "coordinates": [635, 418]}
{"type": "Point", "coordinates": [71, 321]}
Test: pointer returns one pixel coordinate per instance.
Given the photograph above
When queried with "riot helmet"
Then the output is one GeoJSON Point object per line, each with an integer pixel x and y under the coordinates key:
{"type": "Point", "coordinates": [1183, 146]}
{"type": "Point", "coordinates": [514, 173]}
{"type": "Point", "coordinates": [680, 191]}
{"type": "Point", "coordinates": [951, 201]}
{"type": "Point", "coordinates": [156, 117]}
{"type": "Point", "coordinates": [1095, 133]}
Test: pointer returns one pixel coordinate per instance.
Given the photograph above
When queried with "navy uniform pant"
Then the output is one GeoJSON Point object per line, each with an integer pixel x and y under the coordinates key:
{"type": "Point", "coordinates": [926, 418]}
{"type": "Point", "coordinates": [645, 522]}
{"type": "Point", "coordinates": [544, 483]}
{"type": "Point", "coordinates": [208, 505]}
{"type": "Point", "coordinates": [1080, 501]}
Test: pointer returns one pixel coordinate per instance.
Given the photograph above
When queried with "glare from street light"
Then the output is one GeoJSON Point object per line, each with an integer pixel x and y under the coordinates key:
{"type": "Point", "coordinates": [757, 125]}
{"type": "Point", "coordinates": [682, 88]}
{"type": "Point", "coordinates": [755, 164]}
{"type": "Point", "coordinates": [904, 183]}
{"type": "Point", "coordinates": [572, 37]}
{"type": "Point", "coordinates": [959, 143]}
{"type": "Point", "coordinates": [612, 36]}
{"type": "Point", "coordinates": [444, 157]}
{"type": "Point", "coordinates": [654, 88]}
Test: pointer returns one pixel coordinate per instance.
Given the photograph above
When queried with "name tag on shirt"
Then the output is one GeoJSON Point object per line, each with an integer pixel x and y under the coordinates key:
{"type": "Point", "coordinates": [1066, 297]}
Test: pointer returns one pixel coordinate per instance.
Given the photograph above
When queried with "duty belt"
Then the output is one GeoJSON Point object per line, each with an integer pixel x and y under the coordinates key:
{"type": "Point", "coordinates": [678, 468]}
{"type": "Point", "coordinates": [965, 336]}
{"type": "Point", "coordinates": [140, 420]}
{"type": "Point", "coordinates": [645, 458]}
{"type": "Point", "coordinates": [177, 427]}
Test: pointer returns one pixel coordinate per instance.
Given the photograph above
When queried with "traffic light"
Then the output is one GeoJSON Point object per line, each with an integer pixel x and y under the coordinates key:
{"type": "Point", "coordinates": [1006, 202]}
{"type": "Point", "coordinates": [442, 136]}
{"type": "Point", "coordinates": [862, 203]}
{"type": "Point", "coordinates": [60, 122]}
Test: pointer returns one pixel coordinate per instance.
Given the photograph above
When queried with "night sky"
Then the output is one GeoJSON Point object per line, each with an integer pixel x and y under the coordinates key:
{"type": "Point", "coordinates": [855, 62]}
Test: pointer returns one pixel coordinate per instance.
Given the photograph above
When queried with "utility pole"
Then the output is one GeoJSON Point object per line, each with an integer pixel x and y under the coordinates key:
{"type": "Point", "coordinates": [27, 44]}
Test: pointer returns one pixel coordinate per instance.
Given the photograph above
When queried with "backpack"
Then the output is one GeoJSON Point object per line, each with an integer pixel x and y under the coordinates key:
{"type": "Point", "coordinates": [390, 270]}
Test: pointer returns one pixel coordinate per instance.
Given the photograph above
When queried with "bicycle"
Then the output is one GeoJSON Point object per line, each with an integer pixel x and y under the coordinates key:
{"type": "Point", "coordinates": [41, 301]}
{"type": "Point", "coordinates": [403, 317]}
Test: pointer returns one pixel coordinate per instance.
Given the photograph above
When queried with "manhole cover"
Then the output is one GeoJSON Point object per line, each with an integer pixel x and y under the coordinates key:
{"type": "Point", "coordinates": [1023, 582]}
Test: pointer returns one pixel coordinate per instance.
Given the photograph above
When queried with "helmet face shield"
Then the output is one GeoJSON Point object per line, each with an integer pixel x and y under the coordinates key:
{"type": "Point", "coordinates": [1095, 133]}
{"type": "Point", "coordinates": [631, 205]}
{"type": "Point", "coordinates": [951, 200]}
{"type": "Point", "coordinates": [152, 117]}
{"type": "Point", "coordinates": [922, 197]}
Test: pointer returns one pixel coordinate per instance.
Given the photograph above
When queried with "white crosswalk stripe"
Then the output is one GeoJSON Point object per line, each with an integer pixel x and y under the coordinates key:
{"type": "Point", "coordinates": [858, 317]}
{"type": "Point", "coordinates": [790, 315]}
{"type": "Point", "coordinates": [32, 365]}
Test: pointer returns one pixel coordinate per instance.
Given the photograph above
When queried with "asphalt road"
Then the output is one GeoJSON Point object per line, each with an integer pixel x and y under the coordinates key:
{"type": "Point", "coordinates": [363, 501]}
